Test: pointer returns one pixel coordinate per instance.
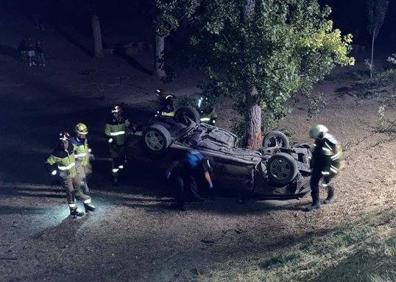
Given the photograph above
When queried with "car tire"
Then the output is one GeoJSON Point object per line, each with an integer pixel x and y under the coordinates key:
{"type": "Point", "coordinates": [275, 139]}
{"type": "Point", "coordinates": [281, 168]}
{"type": "Point", "coordinates": [185, 114]}
{"type": "Point", "coordinates": [156, 139]}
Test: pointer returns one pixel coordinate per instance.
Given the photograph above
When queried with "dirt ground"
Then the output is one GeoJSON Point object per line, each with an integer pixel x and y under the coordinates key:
{"type": "Point", "coordinates": [134, 236]}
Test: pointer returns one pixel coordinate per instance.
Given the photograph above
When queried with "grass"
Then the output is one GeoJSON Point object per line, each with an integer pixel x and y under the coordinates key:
{"type": "Point", "coordinates": [359, 251]}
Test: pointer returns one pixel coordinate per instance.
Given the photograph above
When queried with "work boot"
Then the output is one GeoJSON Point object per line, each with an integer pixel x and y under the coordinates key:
{"type": "Point", "coordinates": [89, 207]}
{"type": "Point", "coordinates": [315, 202]}
{"type": "Point", "coordinates": [74, 212]}
{"type": "Point", "coordinates": [314, 206]}
{"type": "Point", "coordinates": [330, 195]}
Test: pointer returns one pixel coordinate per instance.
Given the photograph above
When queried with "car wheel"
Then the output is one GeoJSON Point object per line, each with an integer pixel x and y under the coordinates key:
{"type": "Point", "coordinates": [185, 115]}
{"type": "Point", "coordinates": [156, 139]}
{"type": "Point", "coordinates": [275, 139]}
{"type": "Point", "coordinates": [281, 168]}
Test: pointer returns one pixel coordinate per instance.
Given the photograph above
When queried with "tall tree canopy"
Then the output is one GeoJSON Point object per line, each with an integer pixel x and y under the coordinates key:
{"type": "Point", "coordinates": [260, 52]}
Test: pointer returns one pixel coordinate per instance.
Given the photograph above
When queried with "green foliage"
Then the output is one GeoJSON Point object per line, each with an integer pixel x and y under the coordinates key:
{"type": "Point", "coordinates": [171, 12]}
{"type": "Point", "coordinates": [284, 47]}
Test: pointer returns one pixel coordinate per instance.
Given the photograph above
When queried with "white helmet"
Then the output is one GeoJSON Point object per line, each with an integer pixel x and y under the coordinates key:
{"type": "Point", "coordinates": [318, 131]}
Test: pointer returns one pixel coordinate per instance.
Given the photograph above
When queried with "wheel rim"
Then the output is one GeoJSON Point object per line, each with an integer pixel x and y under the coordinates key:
{"type": "Point", "coordinates": [280, 169]}
{"type": "Point", "coordinates": [154, 140]}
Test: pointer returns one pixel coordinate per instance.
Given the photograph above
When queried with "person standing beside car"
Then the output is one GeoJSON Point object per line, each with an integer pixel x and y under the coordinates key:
{"type": "Point", "coordinates": [186, 173]}
{"type": "Point", "coordinates": [325, 163]}
{"type": "Point", "coordinates": [116, 130]}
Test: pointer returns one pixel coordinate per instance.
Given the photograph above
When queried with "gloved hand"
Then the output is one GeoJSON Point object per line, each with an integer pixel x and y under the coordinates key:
{"type": "Point", "coordinates": [54, 172]}
{"type": "Point", "coordinates": [110, 140]}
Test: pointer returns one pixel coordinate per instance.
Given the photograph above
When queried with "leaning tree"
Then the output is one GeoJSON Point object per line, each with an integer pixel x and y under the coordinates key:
{"type": "Point", "coordinates": [376, 15]}
{"type": "Point", "coordinates": [261, 52]}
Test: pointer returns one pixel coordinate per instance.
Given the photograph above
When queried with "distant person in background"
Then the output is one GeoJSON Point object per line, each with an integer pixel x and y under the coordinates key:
{"type": "Point", "coordinates": [40, 53]}
{"type": "Point", "coordinates": [31, 53]}
{"type": "Point", "coordinates": [22, 49]}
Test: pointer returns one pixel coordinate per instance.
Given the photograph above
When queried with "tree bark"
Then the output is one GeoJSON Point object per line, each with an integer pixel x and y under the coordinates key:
{"type": "Point", "coordinates": [254, 134]}
{"type": "Point", "coordinates": [372, 53]}
{"type": "Point", "coordinates": [160, 56]}
{"type": "Point", "coordinates": [97, 36]}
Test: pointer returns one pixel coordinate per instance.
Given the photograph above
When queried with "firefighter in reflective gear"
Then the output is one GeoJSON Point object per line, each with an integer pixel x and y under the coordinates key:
{"type": "Point", "coordinates": [83, 154]}
{"type": "Point", "coordinates": [62, 163]}
{"type": "Point", "coordinates": [207, 111]}
{"type": "Point", "coordinates": [325, 163]}
{"type": "Point", "coordinates": [116, 131]}
{"type": "Point", "coordinates": [167, 101]}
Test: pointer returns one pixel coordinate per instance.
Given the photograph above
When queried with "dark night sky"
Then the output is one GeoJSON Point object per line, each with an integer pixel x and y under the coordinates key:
{"type": "Point", "coordinates": [349, 15]}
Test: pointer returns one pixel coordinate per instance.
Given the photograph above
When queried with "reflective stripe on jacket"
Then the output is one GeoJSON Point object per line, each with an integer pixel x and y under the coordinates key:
{"type": "Point", "coordinates": [81, 150]}
{"type": "Point", "coordinates": [64, 161]}
{"type": "Point", "coordinates": [117, 130]}
{"type": "Point", "coordinates": [327, 156]}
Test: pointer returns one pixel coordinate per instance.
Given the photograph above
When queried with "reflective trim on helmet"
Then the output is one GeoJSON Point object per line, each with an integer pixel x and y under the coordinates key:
{"type": "Point", "coordinates": [325, 173]}
{"type": "Point", "coordinates": [325, 184]}
{"type": "Point", "coordinates": [121, 167]}
{"type": "Point", "coordinates": [117, 133]}
{"type": "Point", "coordinates": [205, 119]}
{"type": "Point", "coordinates": [114, 170]}
{"type": "Point", "coordinates": [60, 167]}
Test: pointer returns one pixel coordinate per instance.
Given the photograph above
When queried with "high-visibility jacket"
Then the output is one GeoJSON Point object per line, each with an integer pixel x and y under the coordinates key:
{"type": "Point", "coordinates": [63, 162]}
{"type": "Point", "coordinates": [81, 150]}
{"type": "Point", "coordinates": [210, 117]}
{"type": "Point", "coordinates": [117, 130]}
{"type": "Point", "coordinates": [327, 156]}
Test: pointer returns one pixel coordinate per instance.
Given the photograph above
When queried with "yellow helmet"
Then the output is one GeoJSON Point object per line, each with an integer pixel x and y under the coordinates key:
{"type": "Point", "coordinates": [318, 131]}
{"type": "Point", "coordinates": [81, 128]}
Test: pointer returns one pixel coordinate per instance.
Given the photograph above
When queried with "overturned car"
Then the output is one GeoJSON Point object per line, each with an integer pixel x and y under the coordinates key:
{"type": "Point", "coordinates": [277, 170]}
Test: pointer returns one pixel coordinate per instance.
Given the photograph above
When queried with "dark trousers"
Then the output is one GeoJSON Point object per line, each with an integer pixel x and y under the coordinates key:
{"type": "Point", "coordinates": [315, 182]}
{"type": "Point", "coordinates": [184, 186]}
{"type": "Point", "coordinates": [118, 156]}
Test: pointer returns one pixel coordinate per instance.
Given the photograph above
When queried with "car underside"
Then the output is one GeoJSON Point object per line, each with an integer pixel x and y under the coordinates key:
{"type": "Point", "coordinates": [277, 170]}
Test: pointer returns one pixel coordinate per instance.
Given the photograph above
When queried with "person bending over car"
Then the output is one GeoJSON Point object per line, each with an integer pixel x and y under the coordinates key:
{"type": "Point", "coordinates": [185, 175]}
{"type": "Point", "coordinates": [325, 163]}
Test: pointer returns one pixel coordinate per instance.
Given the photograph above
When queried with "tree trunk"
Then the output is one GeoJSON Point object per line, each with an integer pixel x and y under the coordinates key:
{"type": "Point", "coordinates": [254, 135]}
{"type": "Point", "coordinates": [159, 56]}
{"type": "Point", "coordinates": [97, 36]}
{"type": "Point", "coordinates": [372, 54]}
